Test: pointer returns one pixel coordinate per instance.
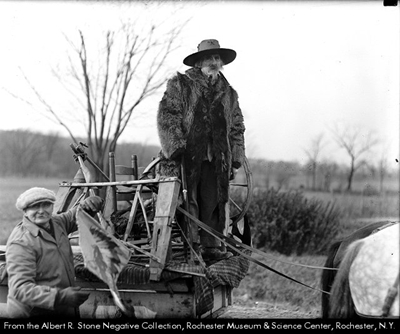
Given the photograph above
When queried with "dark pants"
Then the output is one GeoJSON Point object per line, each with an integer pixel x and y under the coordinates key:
{"type": "Point", "coordinates": [203, 204]}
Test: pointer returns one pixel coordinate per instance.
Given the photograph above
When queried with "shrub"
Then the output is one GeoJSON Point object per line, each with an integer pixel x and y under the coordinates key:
{"type": "Point", "coordinates": [289, 223]}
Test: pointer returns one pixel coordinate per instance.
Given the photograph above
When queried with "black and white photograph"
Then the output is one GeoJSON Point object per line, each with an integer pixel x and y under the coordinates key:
{"type": "Point", "coordinates": [199, 165]}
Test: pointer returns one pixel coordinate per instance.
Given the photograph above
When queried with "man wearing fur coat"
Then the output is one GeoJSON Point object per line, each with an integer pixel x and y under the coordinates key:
{"type": "Point", "coordinates": [200, 124]}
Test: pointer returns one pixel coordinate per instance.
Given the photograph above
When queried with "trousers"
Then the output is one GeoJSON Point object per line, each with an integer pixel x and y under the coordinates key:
{"type": "Point", "coordinates": [203, 204]}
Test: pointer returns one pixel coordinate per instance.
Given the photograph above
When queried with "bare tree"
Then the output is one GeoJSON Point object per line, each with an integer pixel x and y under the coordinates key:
{"type": "Point", "coordinates": [356, 143]}
{"type": "Point", "coordinates": [313, 154]}
{"type": "Point", "coordinates": [328, 170]}
{"type": "Point", "coordinates": [284, 172]}
{"type": "Point", "coordinates": [109, 84]}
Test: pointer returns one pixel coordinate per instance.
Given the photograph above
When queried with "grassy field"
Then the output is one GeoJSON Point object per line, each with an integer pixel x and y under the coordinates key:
{"type": "Point", "coordinates": [357, 210]}
{"type": "Point", "coordinates": [355, 206]}
{"type": "Point", "coordinates": [259, 284]}
{"type": "Point", "coordinates": [262, 285]}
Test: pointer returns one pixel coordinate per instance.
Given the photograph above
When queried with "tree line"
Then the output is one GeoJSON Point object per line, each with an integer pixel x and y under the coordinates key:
{"type": "Point", "coordinates": [30, 154]}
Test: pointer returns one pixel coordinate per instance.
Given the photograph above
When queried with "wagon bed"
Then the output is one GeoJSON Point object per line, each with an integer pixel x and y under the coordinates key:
{"type": "Point", "coordinates": [176, 284]}
{"type": "Point", "coordinates": [198, 293]}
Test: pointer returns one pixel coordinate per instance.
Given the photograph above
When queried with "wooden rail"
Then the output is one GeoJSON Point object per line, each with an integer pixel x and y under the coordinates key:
{"type": "Point", "coordinates": [118, 183]}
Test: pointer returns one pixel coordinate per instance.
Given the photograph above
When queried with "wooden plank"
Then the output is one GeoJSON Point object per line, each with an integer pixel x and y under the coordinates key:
{"type": "Point", "coordinates": [100, 304]}
{"type": "Point", "coordinates": [134, 163]}
{"type": "Point", "coordinates": [178, 285]}
{"type": "Point", "coordinates": [167, 201]}
{"type": "Point", "coordinates": [222, 299]}
{"type": "Point", "coordinates": [132, 214]}
{"type": "Point", "coordinates": [175, 286]}
{"type": "Point", "coordinates": [125, 170]}
{"type": "Point", "coordinates": [111, 199]}
{"type": "Point", "coordinates": [109, 183]}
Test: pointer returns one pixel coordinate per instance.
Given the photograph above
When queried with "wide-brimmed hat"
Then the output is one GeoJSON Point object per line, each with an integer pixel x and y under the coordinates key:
{"type": "Point", "coordinates": [210, 47]}
{"type": "Point", "coordinates": [34, 196]}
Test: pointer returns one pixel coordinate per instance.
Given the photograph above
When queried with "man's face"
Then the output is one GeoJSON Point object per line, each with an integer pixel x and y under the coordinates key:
{"type": "Point", "coordinates": [211, 64]}
{"type": "Point", "coordinates": [40, 213]}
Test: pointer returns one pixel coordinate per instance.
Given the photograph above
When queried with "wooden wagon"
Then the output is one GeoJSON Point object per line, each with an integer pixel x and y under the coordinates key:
{"type": "Point", "coordinates": [146, 212]}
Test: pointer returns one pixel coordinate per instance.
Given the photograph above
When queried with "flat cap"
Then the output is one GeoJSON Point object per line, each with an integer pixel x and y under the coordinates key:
{"type": "Point", "coordinates": [33, 196]}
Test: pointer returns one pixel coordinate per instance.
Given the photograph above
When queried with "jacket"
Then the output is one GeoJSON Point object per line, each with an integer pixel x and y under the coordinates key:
{"type": "Point", "coordinates": [39, 265]}
{"type": "Point", "coordinates": [197, 120]}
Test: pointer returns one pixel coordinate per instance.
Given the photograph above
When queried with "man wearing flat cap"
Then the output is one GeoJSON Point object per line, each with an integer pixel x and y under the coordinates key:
{"type": "Point", "coordinates": [39, 259]}
{"type": "Point", "coordinates": [200, 123]}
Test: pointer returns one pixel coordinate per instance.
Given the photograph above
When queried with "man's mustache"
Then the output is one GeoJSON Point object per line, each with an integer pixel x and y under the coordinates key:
{"type": "Point", "coordinates": [214, 66]}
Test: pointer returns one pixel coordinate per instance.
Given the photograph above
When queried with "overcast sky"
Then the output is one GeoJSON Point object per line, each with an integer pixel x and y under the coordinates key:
{"type": "Point", "coordinates": [300, 68]}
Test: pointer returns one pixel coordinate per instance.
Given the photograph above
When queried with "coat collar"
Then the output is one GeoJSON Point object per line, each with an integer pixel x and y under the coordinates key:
{"type": "Point", "coordinates": [35, 230]}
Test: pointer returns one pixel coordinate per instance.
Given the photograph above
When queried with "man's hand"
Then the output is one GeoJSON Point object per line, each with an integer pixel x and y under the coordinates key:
{"type": "Point", "coordinates": [92, 204]}
{"type": "Point", "coordinates": [71, 296]}
{"type": "Point", "coordinates": [233, 173]}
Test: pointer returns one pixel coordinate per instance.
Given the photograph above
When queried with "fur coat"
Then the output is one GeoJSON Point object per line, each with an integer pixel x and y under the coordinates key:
{"type": "Point", "coordinates": [199, 120]}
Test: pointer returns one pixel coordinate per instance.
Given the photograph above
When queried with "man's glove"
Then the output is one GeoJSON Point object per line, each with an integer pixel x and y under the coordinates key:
{"type": "Point", "coordinates": [71, 296]}
{"type": "Point", "coordinates": [92, 204]}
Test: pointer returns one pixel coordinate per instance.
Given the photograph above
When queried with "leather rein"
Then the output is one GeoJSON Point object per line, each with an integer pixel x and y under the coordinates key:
{"type": "Point", "coordinates": [234, 244]}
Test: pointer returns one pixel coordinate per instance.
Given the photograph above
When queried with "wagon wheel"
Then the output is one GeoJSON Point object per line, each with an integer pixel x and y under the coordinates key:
{"type": "Point", "coordinates": [236, 211]}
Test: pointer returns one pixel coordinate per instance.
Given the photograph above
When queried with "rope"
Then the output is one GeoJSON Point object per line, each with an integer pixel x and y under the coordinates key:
{"type": "Point", "coordinates": [254, 250]}
{"type": "Point", "coordinates": [229, 242]}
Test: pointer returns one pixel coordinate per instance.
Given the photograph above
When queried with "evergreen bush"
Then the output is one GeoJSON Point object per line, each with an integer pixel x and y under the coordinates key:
{"type": "Point", "coordinates": [289, 223]}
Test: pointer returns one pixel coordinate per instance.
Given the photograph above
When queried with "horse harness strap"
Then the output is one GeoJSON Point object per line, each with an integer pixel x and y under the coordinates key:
{"type": "Point", "coordinates": [394, 289]}
{"type": "Point", "coordinates": [233, 243]}
{"type": "Point", "coordinates": [391, 295]}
